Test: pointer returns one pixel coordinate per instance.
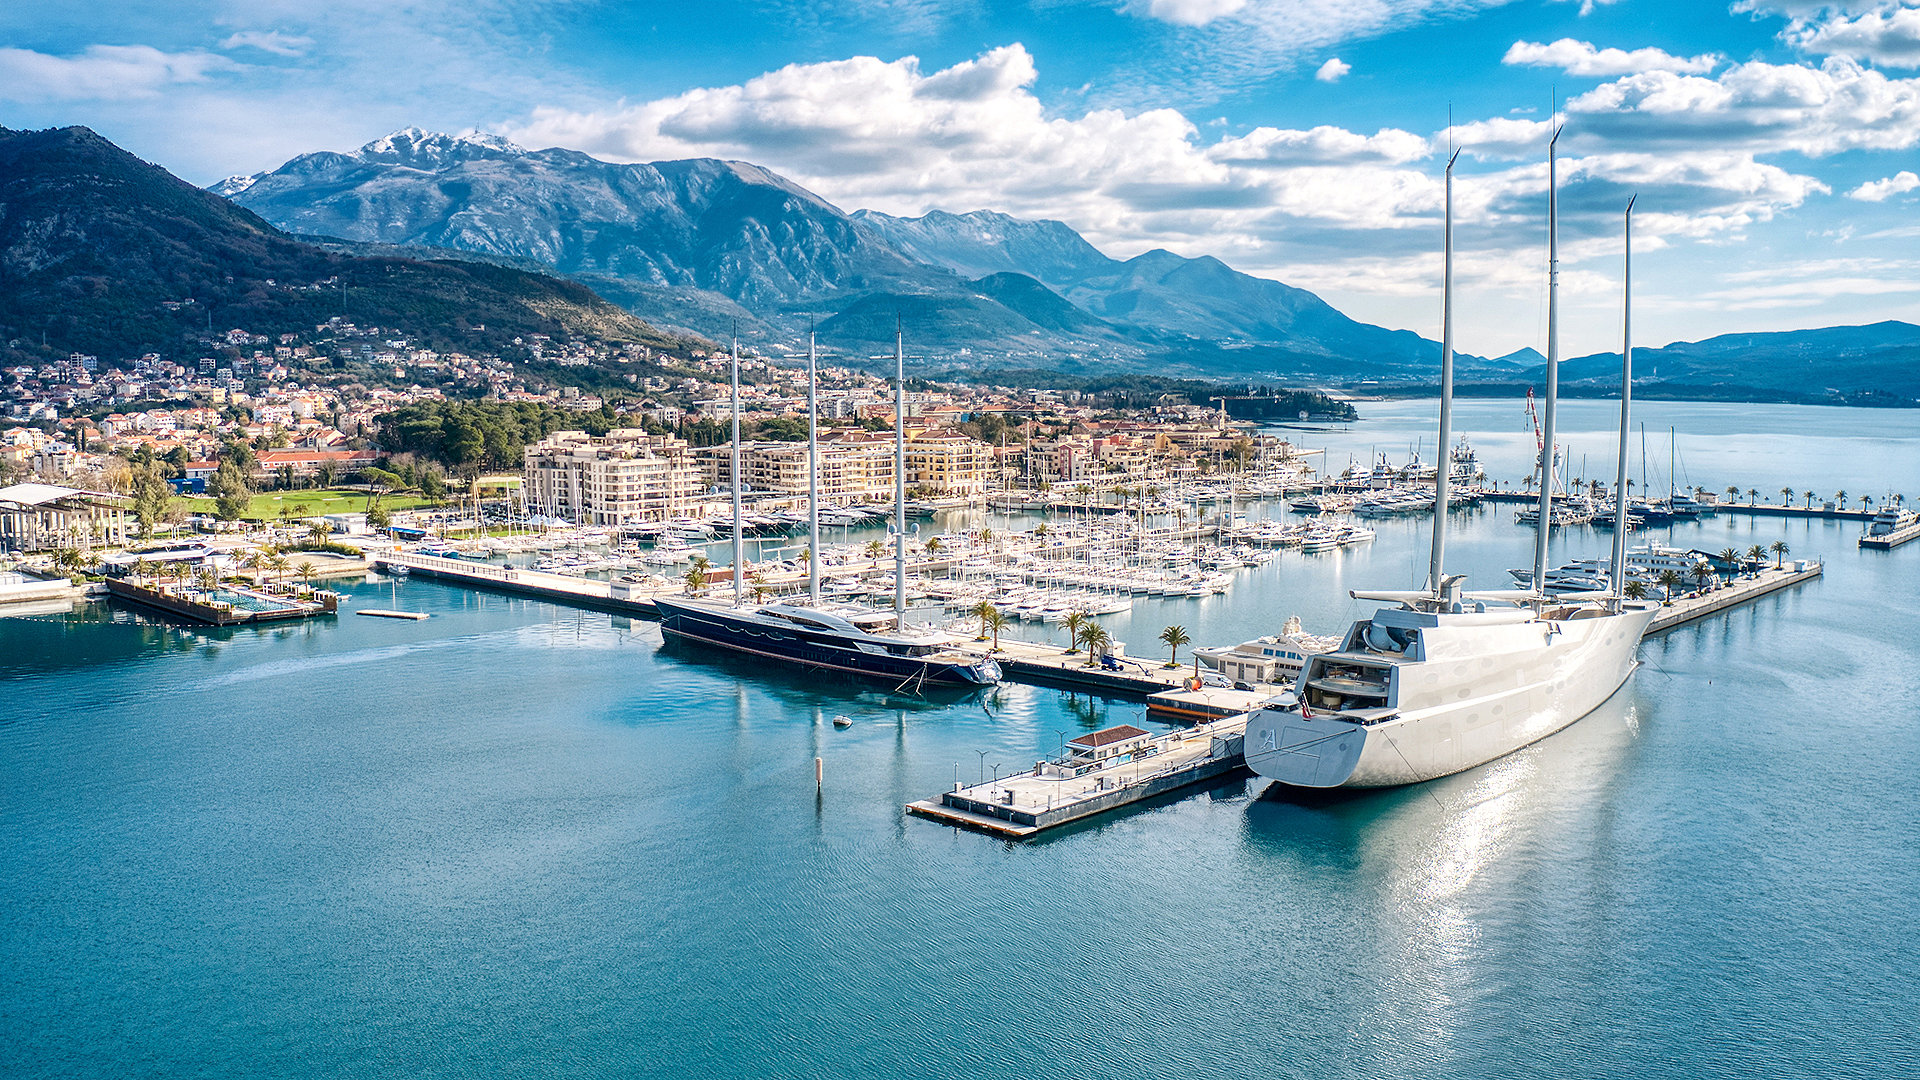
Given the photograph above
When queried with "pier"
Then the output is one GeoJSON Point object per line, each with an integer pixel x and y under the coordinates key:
{"type": "Point", "coordinates": [225, 605]}
{"type": "Point", "coordinates": [1732, 594]}
{"type": "Point", "coordinates": [614, 596]}
{"type": "Point", "coordinates": [1103, 770]}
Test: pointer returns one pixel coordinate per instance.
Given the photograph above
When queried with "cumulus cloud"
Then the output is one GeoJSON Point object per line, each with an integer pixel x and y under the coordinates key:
{"type": "Point", "coordinates": [272, 41]}
{"type": "Point", "coordinates": [1325, 206]}
{"type": "Point", "coordinates": [1333, 70]}
{"type": "Point", "coordinates": [1880, 190]}
{"type": "Point", "coordinates": [1885, 33]}
{"type": "Point", "coordinates": [102, 72]}
{"type": "Point", "coordinates": [1582, 58]}
{"type": "Point", "coordinates": [1758, 107]}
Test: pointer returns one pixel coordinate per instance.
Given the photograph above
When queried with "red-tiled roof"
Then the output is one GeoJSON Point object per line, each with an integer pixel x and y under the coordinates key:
{"type": "Point", "coordinates": [1109, 735]}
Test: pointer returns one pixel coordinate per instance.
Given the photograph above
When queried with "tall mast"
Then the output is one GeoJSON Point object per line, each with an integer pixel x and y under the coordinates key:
{"type": "Point", "coordinates": [1547, 435]}
{"type": "Point", "coordinates": [739, 544]}
{"type": "Point", "coordinates": [1620, 519]}
{"type": "Point", "coordinates": [899, 481]}
{"type": "Point", "coordinates": [1437, 579]}
{"type": "Point", "coordinates": [813, 474]}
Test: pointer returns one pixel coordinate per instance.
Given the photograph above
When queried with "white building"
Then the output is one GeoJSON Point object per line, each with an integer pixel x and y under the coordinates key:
{"type": "Point", "coordinates": [627, 476]}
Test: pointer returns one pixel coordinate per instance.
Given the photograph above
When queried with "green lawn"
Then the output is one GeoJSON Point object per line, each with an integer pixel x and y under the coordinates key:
{"type": "Point", "coordinates": [266, 505]}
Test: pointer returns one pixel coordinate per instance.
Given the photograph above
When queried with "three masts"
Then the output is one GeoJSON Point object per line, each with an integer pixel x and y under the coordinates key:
{"type": "Point", "coordinates": [1448, 679]}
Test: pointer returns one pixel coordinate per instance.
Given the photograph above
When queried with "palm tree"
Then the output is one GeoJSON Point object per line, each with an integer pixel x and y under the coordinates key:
{"type": "Point", "coordinates": [984, 611]}
{"type": "Point", "coordinates": [1840, 498]}
{"type": "Point", "coordinates": [1779, 549]}
{"type": "Point", "coordinates": [696, 577]}
{"type": "Point", "coordinates": [1636, 590]}
{"type": "Point", "coordinates": [1786, 495]}
{"type": "Point", "coordinates": [1809, 495]}
{"type": "Point", "coordinates": [1703, 574]}
{"type": "Point", "coordinates": [995, 621]}
{"type": "Point", "coordinates": [319, 532]}
{"type": "Point", "coordinates": [1096, 638]}
{"type": "Point", "coordinates": [140, 569]}
{"type": "Point", "coordinates": [1753, 496]}
{"type": "Point", "coordinates": [1733, 492]}
{"type": "Point", "coordinates": [1040, 531]}
{"type": "Point", "coordinates": [760, 593]}
{"type": "Point", "coordinates": [1174, 637]}
{"type": "Point", "coordinates": [279, 564]}
{"type": "Point", "coordinates": [1731, 558]}
{"type": "Point", "coordinates": [1076, 624]}
{"type": "Point", "coordinates": [1669, 580]}
{"type": "Point", "coordinates": [306, 570]}
{"type": "Point", "coordinates": [875, 549]}
{"type": "Point", "coordinates": [1755, 554]}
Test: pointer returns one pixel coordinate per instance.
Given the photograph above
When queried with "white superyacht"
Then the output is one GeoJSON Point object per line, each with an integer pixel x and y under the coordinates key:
{"type": "Point", "coordinates": [1448, 680]}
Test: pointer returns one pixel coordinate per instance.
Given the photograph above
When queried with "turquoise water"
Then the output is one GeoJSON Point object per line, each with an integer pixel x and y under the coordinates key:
{"type": "Point", "coordinates": [518, 839]}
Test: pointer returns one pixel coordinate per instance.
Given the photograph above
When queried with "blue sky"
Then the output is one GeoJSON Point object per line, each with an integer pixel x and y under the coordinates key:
{"type": "Point", "coordinates": [1774, 144]}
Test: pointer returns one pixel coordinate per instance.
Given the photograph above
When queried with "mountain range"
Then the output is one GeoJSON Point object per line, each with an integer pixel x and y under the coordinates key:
{"type": "Point", "coordinates": [712, 244]}
{"type": "Point", "coordinates": [101, 252]}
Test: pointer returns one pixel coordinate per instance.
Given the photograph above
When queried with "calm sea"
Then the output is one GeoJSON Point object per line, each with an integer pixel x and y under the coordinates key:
{"type": "Point", "coordinates": [524, 840]}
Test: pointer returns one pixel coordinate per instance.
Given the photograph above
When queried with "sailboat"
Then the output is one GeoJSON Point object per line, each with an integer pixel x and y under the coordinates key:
{"type": "Point", "coordinates": [1446, 679]}
{"type": "Point", "coordinates": [841, 638]}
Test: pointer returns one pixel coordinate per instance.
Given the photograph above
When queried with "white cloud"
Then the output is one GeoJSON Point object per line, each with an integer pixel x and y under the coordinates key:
{"type": "Point", "coordinates": [1758, 107]}
{"type": "Point", "coordinates": [1582, 58]}
{"type": "Point", "coordinates": [1333, 70]}
{"type": "Point", "coordinates": [1193, 12]}
{"type": "Point", "coordinates": [272, 41]}
{"type": "Point", "coordinates": [1885, 33]}
{"type": "Point", "coordinates": [1879, 190]}
{"type": "Point", "coordinates": [102, 72]}
{"type": "Point", "coordinates": [1265, 146]}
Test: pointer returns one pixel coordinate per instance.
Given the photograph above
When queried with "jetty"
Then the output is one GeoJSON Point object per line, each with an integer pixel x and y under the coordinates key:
{"type": "Point", "coordinates": [1686, 609]}
{"type": "Point", "coordinates": [615, 596]}
{"type": "Point", "coordinates": [1101, 771]}
{"type": "Point", "coordinates": [224, 605]}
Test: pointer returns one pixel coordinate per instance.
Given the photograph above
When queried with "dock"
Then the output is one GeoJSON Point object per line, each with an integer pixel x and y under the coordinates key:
{"type": "Point", "coordinates": [384, 613]}
{"type": "Point", "coordinates": [1688, 608]}
{"type": "Point", "coordinates": [614, 596]}
{"type": "Point", "coordinates": [225, 605]}
{"type": "Point", "coordinates": [1105, 770]}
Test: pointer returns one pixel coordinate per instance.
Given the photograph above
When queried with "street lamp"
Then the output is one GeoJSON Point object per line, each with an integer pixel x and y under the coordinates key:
{"type": "Point", "coordinates": [983, 765]}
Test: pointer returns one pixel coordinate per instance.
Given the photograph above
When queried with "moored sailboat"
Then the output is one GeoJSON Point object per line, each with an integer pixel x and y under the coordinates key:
{"type": "Point", "coordinates": [1448, 679]}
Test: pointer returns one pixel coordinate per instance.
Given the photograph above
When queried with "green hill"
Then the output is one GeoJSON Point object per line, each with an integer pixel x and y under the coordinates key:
{"type": "Point", "coordinates": [99, 250]}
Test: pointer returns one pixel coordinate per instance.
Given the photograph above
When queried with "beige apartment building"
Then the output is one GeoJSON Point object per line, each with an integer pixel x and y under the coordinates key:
{"type": "Point", "coordinates": [857, 468]}
{"type": "Point", "coordinates": [625, 477]}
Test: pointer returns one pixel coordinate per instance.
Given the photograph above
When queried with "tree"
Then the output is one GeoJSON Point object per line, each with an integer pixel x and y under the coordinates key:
{"type": "Point", "coordinates": [1733, 492]}
{"type": "Point", "coordinates": [232, 489]}
{"type": "Point", "coordinates": [1756, 554]}
{"type": "Point", "coordinates": [1731, 558]}
{"type": "Point", "coordinates": [1753, 496]}
{"type": "Point", "coordinates": [1779, 549]}
{"type": "Point", "coordinates": [278, 564]}
{"type": "Point", "coordinates": [696, 576]}
{"type": "Point", "coordinates": [1636, 590]}
{"type": "Point", "coordinates": [1096, 639]}
{"type": "Point", "coordinates": [306, 570]}
{"type": "Point", "coordinates": [379, 517]}
{"type": "Point", "coordinates": [995, 621]}
{"type": "Point", "coordinates": [1809, 494]}
{"type": "Point", "coordinates": [1076, 624]}
{"type": "Point", "coordinates": [934, 545]}
{"type": "Point", "coordinates": [151, 494]}
{"type": "Point", "coordinates": [875, 549]}
{"type": "Point", "coordinates": [1174, 637]}
{"type": "Point", "coordinates": [1840, 498]}
{"type": "Point", "coordinates": [1703, 574]}
{"type": "Point", "coordinates": [984, 610]}
{"type": "Point", "coordinates": [140, 569]}
{"type": "Point", "coordinates": [1040, 531]}
{"type": "Point", "coordinates": [319, 531]}
{"type": "Point", "coordinates": [1669, 580]}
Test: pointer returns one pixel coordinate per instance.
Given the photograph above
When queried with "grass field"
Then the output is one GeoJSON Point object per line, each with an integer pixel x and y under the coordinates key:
{"type": "Point", "coordinates": [266, 505]}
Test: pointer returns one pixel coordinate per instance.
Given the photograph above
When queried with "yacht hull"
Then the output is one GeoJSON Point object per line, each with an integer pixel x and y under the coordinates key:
{"type": "Point", "coordinates": [769, 640]}
{"type": "Point", "coordinates": [1537, 692]}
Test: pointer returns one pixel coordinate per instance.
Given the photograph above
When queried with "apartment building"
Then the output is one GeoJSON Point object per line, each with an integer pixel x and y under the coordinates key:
{"type": "Point", "coordinates": [624, 477]}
